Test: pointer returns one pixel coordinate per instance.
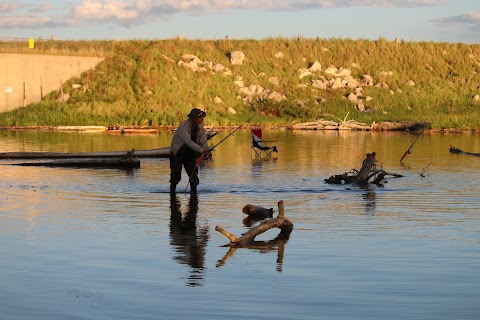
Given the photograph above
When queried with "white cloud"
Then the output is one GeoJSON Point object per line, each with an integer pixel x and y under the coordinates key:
{"type": "Point", "coordinates": [469, 21]}
{"type": "Point", "coordinates": [363, 3]}
{"type": "Point", "coordinates": [25, 22]}
{"type": "Point", "coordinates": [10, 7]}
{"type": "Point", "coordinates": [45, 7]}
{"type": "Point", "coordinates": [138, 11]}
{"type": "Point", "coordinates": [130, 12]}
{"type": "Point", "coordinates": [111, 10]}
{"type": "Point", "coordinates": [469, 18]}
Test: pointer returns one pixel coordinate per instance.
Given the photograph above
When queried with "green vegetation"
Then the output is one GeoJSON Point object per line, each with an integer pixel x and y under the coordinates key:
{"type": "Point", "coordinates": [141, 83]}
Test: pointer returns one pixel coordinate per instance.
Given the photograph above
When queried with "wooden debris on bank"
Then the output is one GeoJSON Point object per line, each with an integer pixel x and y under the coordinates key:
{"type": "Point", "coordinates": [344, 124]}
{"type": "Point", "coordinates": [369, 171]}
{"type": "Point", "coordinates": [352, 125]}
{"type": "Point", "coordinates": [398, 126]}
{"type": "Point", "coordinates": [248, 238]}
{"type": "Point", "coordinates": [330, 125]}
{"type": "Point", "coordinates": [458, 151]}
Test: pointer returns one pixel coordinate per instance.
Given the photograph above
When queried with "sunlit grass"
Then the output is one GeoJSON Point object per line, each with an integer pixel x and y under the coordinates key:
{"type": "Point", "coordinates": [138, 84]}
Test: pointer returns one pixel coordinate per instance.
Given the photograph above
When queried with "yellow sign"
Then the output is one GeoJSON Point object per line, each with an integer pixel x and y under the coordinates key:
{"type": "Point", "coordinates": [31, 43]}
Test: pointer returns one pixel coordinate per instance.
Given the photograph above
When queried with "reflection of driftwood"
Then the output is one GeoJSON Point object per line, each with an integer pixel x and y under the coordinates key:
{"type": "Point", "coordinates": [248, 238]}
{"type": "Point", "coordinates": [264, 246]}
{"type": "Point", "coordinates": [458, 151]}
{"type": "Point", "coordinates": [367, 172]}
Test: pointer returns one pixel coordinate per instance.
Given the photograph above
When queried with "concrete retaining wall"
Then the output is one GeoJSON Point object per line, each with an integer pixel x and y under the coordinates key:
{"type": "Point", "coordinates": [39, 74]}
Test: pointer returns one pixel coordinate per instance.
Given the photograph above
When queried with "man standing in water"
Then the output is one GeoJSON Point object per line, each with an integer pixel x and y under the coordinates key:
{"type": "Point", "coordinates": [189, 141]}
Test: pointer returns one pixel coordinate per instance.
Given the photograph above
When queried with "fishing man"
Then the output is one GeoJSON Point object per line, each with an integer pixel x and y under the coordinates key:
{"type": "Point", "coordinates": [189, 141]}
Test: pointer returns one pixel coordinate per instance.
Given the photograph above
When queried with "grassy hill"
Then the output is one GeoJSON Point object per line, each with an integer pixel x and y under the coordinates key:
{"type": "Point", "coordinates": [143, 83]}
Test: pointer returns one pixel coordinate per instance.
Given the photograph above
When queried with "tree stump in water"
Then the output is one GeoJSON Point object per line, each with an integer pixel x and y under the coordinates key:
{"type": "Point", "coordinates": [458, 151]}
{"type": "Point", "coordinates": [248, 238]}
{"type": "Point", "coordinates": [368, 171]}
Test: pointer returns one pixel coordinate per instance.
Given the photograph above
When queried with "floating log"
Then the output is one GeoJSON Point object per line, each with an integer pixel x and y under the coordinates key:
{"type": "Point", "coordinates": [123, 163]}
{"type": "Point", "coordinates": [248, 238]}
{"type": "Point", "coordinates": [126, 161]}
{"type": "Point", "coordinates": [458, 151]}
{"type": "Point", "coordinates": [367, 172]}
{"type": "Point", "coordinates": [153, 153]}
{"type": "Point", "coordinates": [134, 131]}
{"type": "Point", "coordinates": [57, 128]}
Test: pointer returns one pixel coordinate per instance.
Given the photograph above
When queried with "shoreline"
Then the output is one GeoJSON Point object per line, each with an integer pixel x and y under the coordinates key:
{"type": "Point", "coordinates": [158, 129]}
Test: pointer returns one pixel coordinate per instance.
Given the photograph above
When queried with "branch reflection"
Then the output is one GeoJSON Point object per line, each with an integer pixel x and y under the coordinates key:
{"type": "Point", "coordinates": [188, 240]}
{"type": "Point", "coordinates": [277, 244]}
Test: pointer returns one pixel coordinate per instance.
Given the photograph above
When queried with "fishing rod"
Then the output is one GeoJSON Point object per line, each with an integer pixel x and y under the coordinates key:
{"type": "Point", "coordinates": [202, 156]}
{"type": "Point", "coordinates": [409, 151]}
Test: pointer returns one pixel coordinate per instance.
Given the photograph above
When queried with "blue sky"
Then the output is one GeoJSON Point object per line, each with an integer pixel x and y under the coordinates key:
{"type": "Point", "coordinates": [411, 20]}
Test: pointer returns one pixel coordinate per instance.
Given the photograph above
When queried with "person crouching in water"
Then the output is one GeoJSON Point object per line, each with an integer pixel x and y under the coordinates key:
{"type": "Point", "coordinates": [188, 142]}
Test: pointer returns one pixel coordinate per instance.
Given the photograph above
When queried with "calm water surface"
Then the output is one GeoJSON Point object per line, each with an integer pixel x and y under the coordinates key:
{"type": "Point", "coordinates": [112, 244]}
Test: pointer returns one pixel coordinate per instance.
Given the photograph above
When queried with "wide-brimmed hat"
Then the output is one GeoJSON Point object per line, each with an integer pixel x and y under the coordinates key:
{"type": "Point", "coordinates": [197, 113]}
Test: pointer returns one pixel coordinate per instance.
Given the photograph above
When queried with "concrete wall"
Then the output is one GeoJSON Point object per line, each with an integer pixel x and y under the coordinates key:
{"type": "Point", "coordinates": [41, 75]}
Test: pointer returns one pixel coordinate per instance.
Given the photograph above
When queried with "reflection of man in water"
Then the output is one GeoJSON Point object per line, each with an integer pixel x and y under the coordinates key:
{"type": "Point", "coordinates": [188, 241]}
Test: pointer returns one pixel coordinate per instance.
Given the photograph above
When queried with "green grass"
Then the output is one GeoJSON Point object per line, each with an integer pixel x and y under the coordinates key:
{"type": "Point", "coordinates": [137, 84]}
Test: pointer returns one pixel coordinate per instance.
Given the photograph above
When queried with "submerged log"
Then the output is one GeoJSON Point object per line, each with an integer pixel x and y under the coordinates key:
{"type": "Point", "coordinates": [458, 151]}
{"type": "Point", "coordinates": [367, 172]}
{"type": "Point", "coordinates": [248, 238]}
{"type": "Point", "coordinates": [153, 153]}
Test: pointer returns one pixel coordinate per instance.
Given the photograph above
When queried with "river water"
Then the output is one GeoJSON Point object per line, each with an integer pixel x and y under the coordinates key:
{"type": "Point", "coordinates": [112, 244]}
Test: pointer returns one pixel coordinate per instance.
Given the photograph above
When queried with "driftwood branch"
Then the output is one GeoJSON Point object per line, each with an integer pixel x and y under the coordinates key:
{"type": "Point", "coordinates": [367, 172]}
{"type": "Point", "coordinates": [248, 238]}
